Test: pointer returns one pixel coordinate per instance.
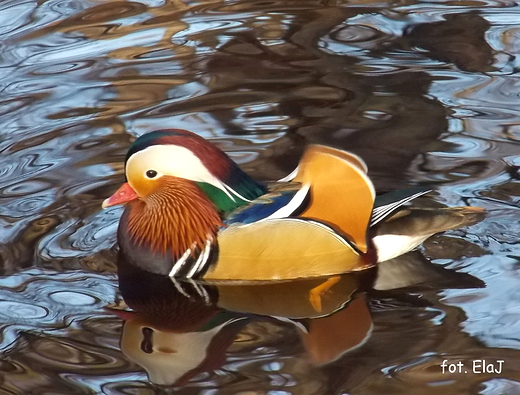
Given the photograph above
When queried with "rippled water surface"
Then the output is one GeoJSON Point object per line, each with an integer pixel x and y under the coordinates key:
{"type": "Point", "coordinates": [427, 92]}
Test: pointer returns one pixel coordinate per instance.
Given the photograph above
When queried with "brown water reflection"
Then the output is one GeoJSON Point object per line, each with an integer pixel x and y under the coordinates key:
{"type": "Point", "coordinates": [425, 92]}
{"type": "Point", "coordinates": [178, 330]}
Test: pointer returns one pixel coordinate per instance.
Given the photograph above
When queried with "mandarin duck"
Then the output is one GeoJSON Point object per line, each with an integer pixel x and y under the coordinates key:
{"type": "Point", "coordinates": [191, 212]}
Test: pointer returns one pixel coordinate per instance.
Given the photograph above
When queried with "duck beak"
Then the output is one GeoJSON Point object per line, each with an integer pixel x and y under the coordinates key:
{"type": "Point", "coordinates": [124, 194]}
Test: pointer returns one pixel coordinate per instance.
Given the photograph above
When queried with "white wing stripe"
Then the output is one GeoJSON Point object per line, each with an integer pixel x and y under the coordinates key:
{"type": "Point", "coordinates": [380, 213]}
{"type": "Point", "coordinates": [293, 204]}
{"type": "Point", "coordinates": [290, 176]}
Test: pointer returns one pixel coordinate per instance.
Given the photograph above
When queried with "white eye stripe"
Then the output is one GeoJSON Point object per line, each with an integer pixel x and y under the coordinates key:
{"type": "Point", "coordinates": [169, 160]}
{"type": "Point", "coordinates": [177, 161]}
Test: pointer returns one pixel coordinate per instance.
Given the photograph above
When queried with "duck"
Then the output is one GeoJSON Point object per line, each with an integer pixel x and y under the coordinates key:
{"type": "Point", "coordinates": [192, 213]}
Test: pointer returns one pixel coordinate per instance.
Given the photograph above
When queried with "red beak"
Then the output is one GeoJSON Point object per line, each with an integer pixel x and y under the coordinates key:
{"type": "Point", "coordinates": [124, 194]}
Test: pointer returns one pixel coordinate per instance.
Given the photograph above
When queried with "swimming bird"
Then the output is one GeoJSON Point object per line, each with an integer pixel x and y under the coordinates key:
{"type": "Point", "coordinates": [191, 212]}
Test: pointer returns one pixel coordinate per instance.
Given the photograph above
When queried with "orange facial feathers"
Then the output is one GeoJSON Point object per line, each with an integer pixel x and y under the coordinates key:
{"type": "Point", "coordinates": [176, 217]}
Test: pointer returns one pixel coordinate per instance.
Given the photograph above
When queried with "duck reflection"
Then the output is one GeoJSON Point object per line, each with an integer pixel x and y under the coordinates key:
{"type": "Point", "coordinates": [176, 330]}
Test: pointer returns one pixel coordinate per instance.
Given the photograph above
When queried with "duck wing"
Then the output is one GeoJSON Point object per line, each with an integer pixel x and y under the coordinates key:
{"type": "Point", "coordinates": [390, 202]}
{"type": "Point", "coordinates": [282, 200]}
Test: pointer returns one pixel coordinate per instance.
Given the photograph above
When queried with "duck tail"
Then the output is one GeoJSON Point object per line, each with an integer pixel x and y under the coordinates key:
{"type": "Point", "coordinates": [409, 227]}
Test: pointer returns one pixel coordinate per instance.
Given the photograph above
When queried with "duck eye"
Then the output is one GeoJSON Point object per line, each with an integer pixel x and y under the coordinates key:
{"type": "Point", "coordinates": [151, 173]}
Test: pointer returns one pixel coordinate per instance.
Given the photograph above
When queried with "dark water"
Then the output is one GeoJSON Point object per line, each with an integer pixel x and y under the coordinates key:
{"type": "Point", "coordinates": [426, 92]}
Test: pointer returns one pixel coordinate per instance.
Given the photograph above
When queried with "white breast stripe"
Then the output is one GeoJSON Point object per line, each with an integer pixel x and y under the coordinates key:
{"type": "Point", "coordinates": [178, 265]}
{"type": "Point", "coordinates": [201, 260]}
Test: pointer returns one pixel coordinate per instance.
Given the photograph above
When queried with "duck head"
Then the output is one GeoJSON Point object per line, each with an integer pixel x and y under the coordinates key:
{"type": "Point", "coordinates": [177, 153]}
{"type": "Point", "coordinates": [177, 186]}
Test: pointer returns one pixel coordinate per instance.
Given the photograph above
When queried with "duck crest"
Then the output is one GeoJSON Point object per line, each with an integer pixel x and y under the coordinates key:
{"type": "Point", "coordinates": [178, 222]}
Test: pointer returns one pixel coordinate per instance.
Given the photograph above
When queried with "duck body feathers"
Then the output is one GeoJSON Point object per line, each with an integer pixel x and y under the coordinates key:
{"type": "Point", "coordinates": [284, 248]}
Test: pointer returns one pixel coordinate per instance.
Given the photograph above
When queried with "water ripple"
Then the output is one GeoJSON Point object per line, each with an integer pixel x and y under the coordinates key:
{"type": "Point", "coordinates": [14, 14]}
{"type": "Point", "coordinates": [426, 92]}
{"type": "Point", "coordinates": [17, 311]}
{"type": "Point", "coordinates": [36, 300]}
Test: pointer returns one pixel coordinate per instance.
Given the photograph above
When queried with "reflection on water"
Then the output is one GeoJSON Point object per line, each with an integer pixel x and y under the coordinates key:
{"type": "Point", "coordinates": [176, 331]}
{"type": "Point", "coordinates": [425, 92]}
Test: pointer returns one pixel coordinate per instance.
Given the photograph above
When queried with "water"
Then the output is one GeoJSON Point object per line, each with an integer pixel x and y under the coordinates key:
{"type": "Point", "coordinates": [425, 92]}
